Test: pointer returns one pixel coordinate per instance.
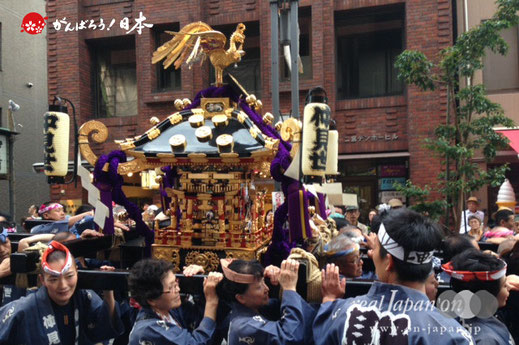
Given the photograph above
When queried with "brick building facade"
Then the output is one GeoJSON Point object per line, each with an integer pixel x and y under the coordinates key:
{"type": "Point", "coordinates": [348, 47]}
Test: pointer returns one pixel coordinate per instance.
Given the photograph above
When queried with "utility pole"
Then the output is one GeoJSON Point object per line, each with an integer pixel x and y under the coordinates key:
{"type": "Point", "coordinates": [274, 58]}
{"type": "Point", "coordinates": [10, 118]}
{"type": "Point", "coordinates": [294, 53]}
{"type": "Point", "coordinates": [293, 40]}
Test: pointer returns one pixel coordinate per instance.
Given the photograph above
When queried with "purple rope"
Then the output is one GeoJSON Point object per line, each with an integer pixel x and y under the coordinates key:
{"type": "Point", "coordinates": [112, 180]}
{"type": "Point", "coordinates": [280, 247]}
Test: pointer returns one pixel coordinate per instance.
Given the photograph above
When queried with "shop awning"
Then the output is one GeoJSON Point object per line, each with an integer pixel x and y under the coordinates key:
{"type": "Point", "coordinates": [512, 134]}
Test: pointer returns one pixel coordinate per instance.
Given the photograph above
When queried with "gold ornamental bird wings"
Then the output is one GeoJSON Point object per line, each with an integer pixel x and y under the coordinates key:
{"type": "Point", "coordinates": [198, 40]}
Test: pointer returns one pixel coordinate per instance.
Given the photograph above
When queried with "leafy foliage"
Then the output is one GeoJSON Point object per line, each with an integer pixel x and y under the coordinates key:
{"type": "Point", "coordinates": [471, 115]}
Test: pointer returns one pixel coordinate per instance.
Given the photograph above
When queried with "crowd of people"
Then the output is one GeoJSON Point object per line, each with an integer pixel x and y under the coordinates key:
{"type": "Point", "coordinates": [409, 257]}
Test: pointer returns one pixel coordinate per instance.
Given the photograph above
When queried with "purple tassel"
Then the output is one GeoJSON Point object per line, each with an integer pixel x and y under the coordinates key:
{"type": "Point", "coordinates": [322, 207]}
{"type": "Point", "coordinates": [280, 247]}
{"type": "Point", "coordinates": [112, 182]}
{"type": "Point", "coordinates": [299, 226]}
{"type": "Point", "coordinates": [105, 189]}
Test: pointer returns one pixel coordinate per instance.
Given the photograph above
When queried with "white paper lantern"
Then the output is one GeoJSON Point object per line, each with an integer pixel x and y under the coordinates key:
{"type": "Point", "coordinates": [315, 139]}
{"type": "Point", "coordinates": [332, 158]}
{"type": "Point", "coordinates": [56, 142]}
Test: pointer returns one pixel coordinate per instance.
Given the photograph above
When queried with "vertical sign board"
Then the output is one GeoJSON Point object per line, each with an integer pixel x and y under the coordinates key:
{"type": "Point", "coordinates": [315, 139]}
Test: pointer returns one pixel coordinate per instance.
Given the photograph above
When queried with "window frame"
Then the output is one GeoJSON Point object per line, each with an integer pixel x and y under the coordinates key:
{"type": "Point", "coordinates": [502, 58]}
{"type": "Point", "coordinates": [367, 23]}
{"type": "Point", "coordinates": [107, 46]}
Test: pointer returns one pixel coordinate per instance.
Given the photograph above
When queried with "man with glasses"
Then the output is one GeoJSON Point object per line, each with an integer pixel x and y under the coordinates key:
{"type": "Point", "coordinates": [352, 216]}
{"type": "Point", "coordinates": [344, 252]}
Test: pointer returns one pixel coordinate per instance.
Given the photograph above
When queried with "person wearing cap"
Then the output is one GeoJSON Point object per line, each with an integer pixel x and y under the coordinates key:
{"type": "Point", "coordinates": [154, 286]}
{"type": "Point", "coordinates": [395, 204]}
{"type": "Point", "coordinates": [244, 288]}
{"type": "Point", "coordinates": [352, 216]}
{"type": "Point", "coordinates": [472, 210]}
{"type": "Point", "coordinates": [59, 313]}
{"type": "Point", "coordinates": [475, 271]}
{"type": "Point", "coordinates": [396, 309]}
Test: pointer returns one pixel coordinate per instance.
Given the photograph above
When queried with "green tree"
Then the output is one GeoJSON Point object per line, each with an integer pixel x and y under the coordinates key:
{"type": "Point", "coordinates": [471, 116]}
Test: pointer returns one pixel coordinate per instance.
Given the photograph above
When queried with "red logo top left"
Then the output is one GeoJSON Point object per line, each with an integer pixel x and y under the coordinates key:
{"type": "Point", "coordinates": [33, 23]}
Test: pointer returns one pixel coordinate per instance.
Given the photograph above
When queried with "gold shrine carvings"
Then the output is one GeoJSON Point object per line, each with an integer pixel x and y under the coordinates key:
{"type": "Point", "coordinates": [208, 259]}
{"type": "Point", "coordinates": [167, 254]}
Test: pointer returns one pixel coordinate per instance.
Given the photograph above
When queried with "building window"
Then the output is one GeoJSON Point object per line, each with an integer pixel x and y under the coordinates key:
{"type": "Point", "coordinates": [305, 46]}
{"type": "Point", "coordinates": [502, 72]}
{"type": "Point", "coordinates": [167, 79]}
{"type": "Point", "coordinates": [248, 70]}
{"type": "Point", "coordinates": [114, 76]}
{"type": "Point", "coordinates": [368, 43]}
{"type": "Point", "coordinates": [373, 180]}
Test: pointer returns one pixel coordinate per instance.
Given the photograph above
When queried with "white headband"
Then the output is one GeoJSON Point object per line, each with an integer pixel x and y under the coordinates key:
{"type": "Point", "coordinates": [395, 249]}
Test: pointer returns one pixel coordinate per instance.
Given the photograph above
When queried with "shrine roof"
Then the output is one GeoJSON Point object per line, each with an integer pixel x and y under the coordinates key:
{"type": "Point", "coordinates": [219, 123]}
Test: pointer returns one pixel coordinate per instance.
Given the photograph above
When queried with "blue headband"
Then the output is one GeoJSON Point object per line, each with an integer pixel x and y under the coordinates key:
{"type": "Point", "coordinates": [3, 235]}
{"type": "Point", "coordinates": [342, 252]}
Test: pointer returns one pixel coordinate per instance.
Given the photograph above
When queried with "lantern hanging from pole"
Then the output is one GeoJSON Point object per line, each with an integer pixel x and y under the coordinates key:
{"type": "Point", "coordinates": [56, 129]}
{"type": "Point", "coordinates": [315, 133]}
{"type": "Point", "coordinates": [332, 158]}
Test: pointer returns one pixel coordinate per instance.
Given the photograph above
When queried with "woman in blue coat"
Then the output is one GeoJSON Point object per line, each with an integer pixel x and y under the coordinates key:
{"type": "Point", "coordinates": [244, 287]}
{"type": "Point", "coordinates": [154, 286]}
